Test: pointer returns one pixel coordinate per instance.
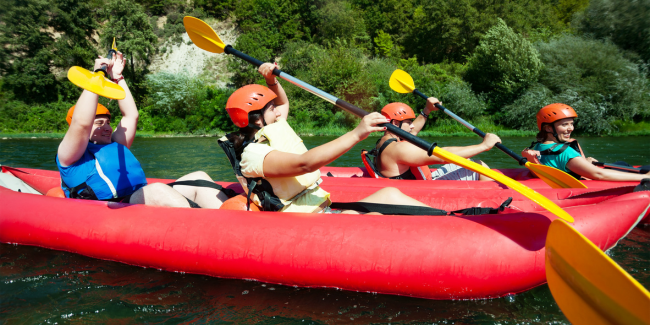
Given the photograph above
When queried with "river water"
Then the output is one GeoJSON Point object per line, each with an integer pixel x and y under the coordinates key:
{"type": "Point", "coordinates": [44, 286]}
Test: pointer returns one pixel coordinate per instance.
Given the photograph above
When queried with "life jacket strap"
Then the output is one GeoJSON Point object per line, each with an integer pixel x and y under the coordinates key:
{"type": "Point", "coordinates": [643, 186]}
{"type": "Point", "coordinates": [475, 211]}
{"type": "Point", "coordinates": [389, 209]}
{"type": "Point", "coordinates": [205, 183]}
{"type": "Point", "coordinates": [410, 210]}
{"type": "Point", "coordinates": [81, 191]}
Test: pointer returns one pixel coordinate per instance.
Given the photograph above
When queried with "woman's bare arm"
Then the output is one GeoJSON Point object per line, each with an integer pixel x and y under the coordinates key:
{"type": "Point", "coordinates": [282, 164]}
{"type": "Point", "coordinates": [583, 167]}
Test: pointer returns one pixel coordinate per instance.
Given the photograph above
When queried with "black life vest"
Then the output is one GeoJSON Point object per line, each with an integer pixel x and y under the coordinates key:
{"type": "Point", "coordinates": [572, 143]}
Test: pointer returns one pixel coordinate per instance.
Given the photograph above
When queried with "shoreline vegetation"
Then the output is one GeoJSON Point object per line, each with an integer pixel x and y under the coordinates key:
{"type": "Point", "coordinates": [495, 65]}
{"type": "Point", "coordinates": [627, 129]}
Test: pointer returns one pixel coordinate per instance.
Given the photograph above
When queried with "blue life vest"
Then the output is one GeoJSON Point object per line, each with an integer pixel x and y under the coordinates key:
{"type": "Point", "coordinates": [104, 172]}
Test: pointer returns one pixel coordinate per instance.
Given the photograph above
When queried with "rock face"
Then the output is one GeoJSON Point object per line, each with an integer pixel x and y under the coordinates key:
{"type": "Point", "coordinates": [188, 59]}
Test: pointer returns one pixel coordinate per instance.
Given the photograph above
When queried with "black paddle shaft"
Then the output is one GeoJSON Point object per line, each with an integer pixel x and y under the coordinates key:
{"type": "Point", "coordinates": [428, 147]}
{"type": "Point", "coordinates": [629, 169]}
{"type": "Point", "coordinates": [104, 67]}
{"type": "Point", "coordinates": [522, 161]}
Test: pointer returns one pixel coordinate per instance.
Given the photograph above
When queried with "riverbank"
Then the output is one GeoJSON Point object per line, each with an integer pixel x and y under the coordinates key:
{"type": "Point", "coordinates": [442, 129]}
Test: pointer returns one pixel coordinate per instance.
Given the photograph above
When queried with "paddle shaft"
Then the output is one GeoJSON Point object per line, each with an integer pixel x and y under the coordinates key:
{"type": "Point", "coordinates": [642, 170]}
{"type": "Point", "coordinates": [104, 67]}
{"type": "Point", "coordinates": [522, 161]}
{"type": "Point", "coordinates": [336, 101]}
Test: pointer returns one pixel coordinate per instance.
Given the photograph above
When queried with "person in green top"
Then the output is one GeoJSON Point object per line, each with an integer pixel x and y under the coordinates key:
{"type": "Point", "coordinates": [555, 148]}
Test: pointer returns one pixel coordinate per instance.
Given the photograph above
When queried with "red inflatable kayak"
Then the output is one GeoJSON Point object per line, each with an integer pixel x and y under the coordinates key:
{"type": "Point", "coordinates": [522, 175]}
{"type": "Point", "coordinates": [442, 257]}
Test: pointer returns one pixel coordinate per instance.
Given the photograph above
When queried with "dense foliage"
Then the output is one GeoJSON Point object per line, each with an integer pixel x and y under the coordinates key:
{"type": "Point", "coordinates": [489, 62]}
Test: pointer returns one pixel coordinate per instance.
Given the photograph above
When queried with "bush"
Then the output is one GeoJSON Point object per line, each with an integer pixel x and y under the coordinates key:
{"type": "Point", "coordinates": [597, 72]}
{"type": "Point", "coordinates": [16, 116]}
{"type": "Point", "coordinates": [592, 115]}
{"type": "Point", "coordinates": [624, 22]}
{"type": "Point", "coordinates": [175, 94]}
{"type": "Point", "coordinates": [503, 64]}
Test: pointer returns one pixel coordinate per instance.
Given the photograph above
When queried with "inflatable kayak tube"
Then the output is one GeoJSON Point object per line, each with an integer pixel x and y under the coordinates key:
{"type": "Point", "coordinates": [444, 257]}
{"type": "Point", "coordinates": [352, 189]}
{"type": "Point", "coordinates": [522, 175]}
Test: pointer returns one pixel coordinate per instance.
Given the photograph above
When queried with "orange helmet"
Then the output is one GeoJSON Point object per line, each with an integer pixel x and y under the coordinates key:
{"type": "Point", "coordinates": [398, 111]}
{"type": "Point", "coordinates": [101, 110]}
{"type": "Point", "coordinates": [247, 99]}
{"type": "Point", "coordinates": [554, 112]}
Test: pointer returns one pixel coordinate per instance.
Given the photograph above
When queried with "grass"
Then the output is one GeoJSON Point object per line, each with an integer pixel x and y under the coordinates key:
{"type": "Point", "coordinates": [631, 128]}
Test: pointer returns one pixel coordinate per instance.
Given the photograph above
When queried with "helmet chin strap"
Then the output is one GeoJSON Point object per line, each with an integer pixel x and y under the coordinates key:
{"type": "Point", "coordinates": [557, 138]}
{"type": "Point", "coordinates": [400, 126]}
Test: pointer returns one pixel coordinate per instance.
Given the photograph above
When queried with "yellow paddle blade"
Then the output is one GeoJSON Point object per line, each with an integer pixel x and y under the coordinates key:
{"type": "Point", "coordinates": [203, 35]}
{"type": "Point", "coordinates": [588, 286]}
{"type": "Point", "coordinates": [554, 177]}
{"type": "Point", "coordinates": [505, 180]}
{"type": "Point", "coordinates": [113, 46]}
{"type": "Point", "coordinates": [95, 82]}
{"type": "Point", "coordinates": [401, 82]}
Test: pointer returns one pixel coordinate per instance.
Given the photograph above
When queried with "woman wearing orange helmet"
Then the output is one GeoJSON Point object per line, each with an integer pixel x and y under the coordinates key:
{"type": "Point", "coordinates": [556, 148]}
{"type": "Point", "coordinates": [95, 161]}
{"type": "Point", "coordinates": [271, 161]}
{"type": "Point", "coordinates": [397, 159]}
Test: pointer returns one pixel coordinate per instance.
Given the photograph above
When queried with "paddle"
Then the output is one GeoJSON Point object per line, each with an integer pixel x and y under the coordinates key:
{"type": "Point", "coordinates": [643, 170]}
{"type": "Point", "coordinates": [205, 37]}
{"type": "Point", "coordinates": [590, 287]}
{"type": "Point", "coordinates": [96, 82]}
{"type": "Point", "coordinates": [401, 82]}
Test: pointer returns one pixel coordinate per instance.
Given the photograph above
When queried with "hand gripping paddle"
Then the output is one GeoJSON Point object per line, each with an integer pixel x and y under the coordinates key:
{"type": "Point", "coordinates": [96, 82]}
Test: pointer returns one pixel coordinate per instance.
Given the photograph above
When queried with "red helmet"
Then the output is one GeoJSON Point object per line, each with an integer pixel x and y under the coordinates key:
{"type": "Point", "coordinates": [247, 99]}
{"type": "Point", "coordinates": [101, 110]}
{"type": "Point", "coordinates": [554, 112]}
{"type": "Point", "coordinates": [398, 111]}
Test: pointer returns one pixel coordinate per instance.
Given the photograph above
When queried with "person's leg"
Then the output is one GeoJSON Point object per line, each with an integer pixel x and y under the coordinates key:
{"type": "Point", "coordinates": [452, 172]}
{"type": "Point", "coordinates": [159, 194]}
{"type": "Point", "coordinates": [392, 195]}
{"type": "Point", "coordinates": [388, 195]}
{"type": "Point", "coordinates": [480, 176]}
{"type": "Point", "coordinates": [208, 198]}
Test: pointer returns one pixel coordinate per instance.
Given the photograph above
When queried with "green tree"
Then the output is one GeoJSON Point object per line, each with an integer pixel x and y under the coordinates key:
{"type": "Point", "coordinates": [42, 39]}
{"type": "Point", "coordinates": [383, 44]}
{"type": "Point", "coordinates": [439, 30]}
{"type": "Point", "coordinates": [216, 8]}
{"type": "Point", "coordinates": [594, 77]}
{"type": "Point", "coordinates": [134, 35]}
{"type": "Point", "coordinates": [565, 9]}
{"type": "Point", "coordinates": [503, 64]}
{"type": "Point", "coordinates": [267, 26]}
{"type": "Point", "coordinates": [337, 19]}
{"type": "Point", "coordinates": [625, 22]}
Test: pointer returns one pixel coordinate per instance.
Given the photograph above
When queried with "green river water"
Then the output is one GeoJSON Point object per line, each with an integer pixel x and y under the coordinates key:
{"type": "Point", "coordinates": [44, 286]}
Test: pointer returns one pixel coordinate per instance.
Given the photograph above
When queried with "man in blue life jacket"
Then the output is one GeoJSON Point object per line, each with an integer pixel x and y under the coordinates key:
{"type": "Point", "coordinates": [95, 161]}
